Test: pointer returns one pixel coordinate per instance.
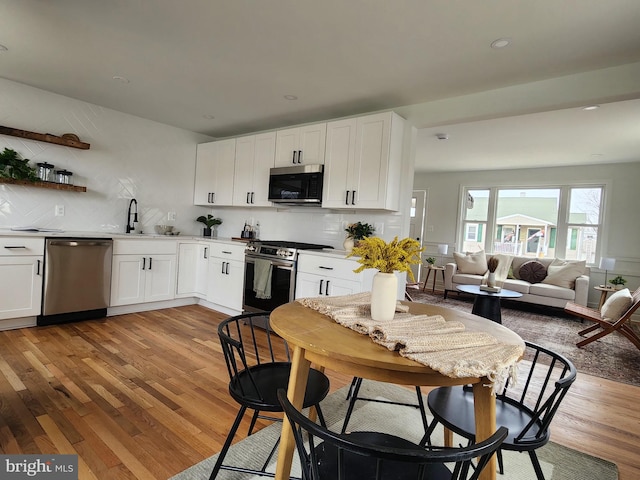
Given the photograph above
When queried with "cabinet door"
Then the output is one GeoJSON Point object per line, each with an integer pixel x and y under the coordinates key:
{"type": "Point", "coordinates": [226, 279]}
{"type": "Point", "coordinates": [214, 173]}
{"type": "Point", "coordinates": [308, 285]}
{"type": "Point", "coordinates": [160, 282]}
{"type": "Point", "coordinates": [127, 280]}
{"type": "Point", "coordinates": [287, 142]}
{"type": "Point", "coordinates": [264, 161]}
{"type": "Point", "coordinates": [312, 144]}
{"type": "Point", "coordinates": [21, 286]}
{"type": "Point", "coordinates": [339, 286]}
{"type": "Point", "coordinates": [244, 172]}
{"type": "Point", "coordinates": [339, 164]}
{"type": "Point", "coordinates": [192, 269]}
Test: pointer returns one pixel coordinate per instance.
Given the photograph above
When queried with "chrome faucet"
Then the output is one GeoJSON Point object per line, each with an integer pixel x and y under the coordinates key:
{"type": "Point", "coordinates": [131, 224]}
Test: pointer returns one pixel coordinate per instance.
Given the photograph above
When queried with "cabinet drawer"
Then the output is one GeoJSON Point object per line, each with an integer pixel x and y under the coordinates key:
{"type": "Point", "coordinates": [14, 246]}
{"type": "Point", "coordinates": [227, 251]}
{"type": "Point", "coordinates": [329, 267]}
{"type": "Point", "coordinates": [145, 247]}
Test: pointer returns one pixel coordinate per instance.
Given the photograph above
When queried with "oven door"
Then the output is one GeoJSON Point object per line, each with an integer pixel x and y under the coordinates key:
{"type": "Point", "coordinates": [282, 286]}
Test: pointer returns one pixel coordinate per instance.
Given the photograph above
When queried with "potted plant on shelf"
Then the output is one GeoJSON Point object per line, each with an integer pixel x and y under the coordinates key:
{"type": "Point", "coordinates": [431, 261]}
{"type": "Point", "coordinates": [387, 258]}
{"type": "Point", "coordinates": [356, 232]}
{"type": "Point", "coordinates": [618, 282]}
{"type": "Point", "coordinates": [11, 166]}
{"type": "Point", "coordinates": [211, 223]}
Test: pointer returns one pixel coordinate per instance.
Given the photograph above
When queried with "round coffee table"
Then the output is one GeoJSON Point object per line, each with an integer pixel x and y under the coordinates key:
{"type": "Point", "coordinates": [487, 304]}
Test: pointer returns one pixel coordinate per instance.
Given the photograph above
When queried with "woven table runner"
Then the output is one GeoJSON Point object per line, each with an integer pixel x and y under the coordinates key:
{"type": "Point", "coordinates": [443, 345]}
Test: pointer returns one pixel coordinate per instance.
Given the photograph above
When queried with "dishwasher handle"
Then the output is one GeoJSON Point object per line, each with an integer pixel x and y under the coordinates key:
{"type": "Point", "coordinates": [80, 243]}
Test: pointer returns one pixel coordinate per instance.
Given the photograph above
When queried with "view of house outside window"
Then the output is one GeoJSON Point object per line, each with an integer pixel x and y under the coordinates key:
{"type": "Point", "coordinates": [529, 222]}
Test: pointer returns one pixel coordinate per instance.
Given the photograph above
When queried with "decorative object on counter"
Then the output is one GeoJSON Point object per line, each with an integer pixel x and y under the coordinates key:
{"type": "Point", "coordinates": [45, 171]}
{"type": "Point", "coordinates": [12, 166]}
{"type": "Point", "coordinates": [387, 258]}
{"type": "Point", "coordinates": [618, 282]}
{"type": "Point", "coordinates": [492, 265]}
{"type": "Point", "coordinates": [247, 232]}
{"type": "Point", "coordinates": [163, 229]}
{"type": "Point", "coordinates": [356, 232]}
{"type": "Point", "coordinates": [63, 177]}
{"type": "Point", "coordinates": [131, 223]}
{"type": "Point", "coordinates": [211, 225]}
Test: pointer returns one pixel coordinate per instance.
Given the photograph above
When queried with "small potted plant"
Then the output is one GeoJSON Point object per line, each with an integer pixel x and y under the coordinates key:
{"type": "Point", "coordinates": [211, 223]}
{"type": "Point", "coordinates": [356, 232]}
{"type": "Point", "coordinates": [431, 261]}
{"type": "Point", "coordinates": [618, 282]}
{"type": "Point", "coordinates": [13, 167]}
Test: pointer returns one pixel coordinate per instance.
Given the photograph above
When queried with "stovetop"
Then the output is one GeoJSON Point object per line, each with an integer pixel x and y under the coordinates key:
{"type": "Point", "coordinates": [280, 248]}
{"type": "Point", "coordinates": [295, 245]}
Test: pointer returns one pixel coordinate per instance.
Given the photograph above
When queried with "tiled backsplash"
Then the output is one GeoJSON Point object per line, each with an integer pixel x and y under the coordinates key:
{"type": "Point", "coordinates": [133, 158]}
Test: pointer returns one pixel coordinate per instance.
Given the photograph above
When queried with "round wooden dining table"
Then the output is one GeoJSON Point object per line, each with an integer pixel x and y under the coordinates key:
{"type": "Point", "coordinates": [316, 339]}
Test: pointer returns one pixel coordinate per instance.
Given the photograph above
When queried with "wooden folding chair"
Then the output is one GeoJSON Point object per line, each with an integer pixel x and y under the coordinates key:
{"type": "Point", "coordinates": [606, 325]}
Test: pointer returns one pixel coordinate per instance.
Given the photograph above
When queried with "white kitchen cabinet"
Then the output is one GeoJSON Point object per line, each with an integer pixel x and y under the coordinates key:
{"type": "Point", "coordinates": [226, 275]}
{"type": "Point", "coordinates": [214, 173]}
{"type": "Point", "coordinates": [143, 271]}
{"type": "Point", "coordinates": [301, 145]}
{"type": "Point", "coordinates": [255, 156]}
{"type": "Point", "coordinates": [193, 269]}
{"type": "Point", "coordinates": [363, 163]}
{"type": "Point", "coordinates": [21, 274]}
{"type": "Point", "coordinates": [326, 275]}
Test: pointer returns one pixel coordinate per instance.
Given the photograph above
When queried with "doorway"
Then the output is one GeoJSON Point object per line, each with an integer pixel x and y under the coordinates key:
{"type": "Point", "coordinates": [417, 220]}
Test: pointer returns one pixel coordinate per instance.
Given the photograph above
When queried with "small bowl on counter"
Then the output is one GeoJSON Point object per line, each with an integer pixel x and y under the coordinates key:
{"type": "Point", "coordinates": [163, 229]}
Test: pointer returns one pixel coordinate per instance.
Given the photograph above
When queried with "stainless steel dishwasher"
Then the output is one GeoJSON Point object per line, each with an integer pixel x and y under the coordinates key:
{"type": "Point", "coordinates": [77, 279]}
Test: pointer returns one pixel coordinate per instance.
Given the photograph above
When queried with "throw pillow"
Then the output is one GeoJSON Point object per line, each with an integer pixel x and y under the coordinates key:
{"type": "Point", "coordinates": [533, 272]}
{"type": "Point", "coordinates": [471, 263]}
{"type": "Point", "coordinates": [616, 305]}
{"type": "Point", "coordinates": [563, 273]}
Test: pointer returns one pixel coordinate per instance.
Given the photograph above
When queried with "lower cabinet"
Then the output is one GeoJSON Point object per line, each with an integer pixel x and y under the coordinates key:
{"type": "Point", "coordinates": [329, 275]}
{"type": "Point", "coordinates": [138, 277]}
{"type": "Point", "coordinates": [21, 269]}
{"type": "Point", "coordinates": [226, 275]}
{"type": "Point", "coordinates": [193, 269]}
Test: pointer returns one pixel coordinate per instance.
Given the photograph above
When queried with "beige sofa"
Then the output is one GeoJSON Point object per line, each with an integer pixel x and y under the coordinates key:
{"type": "Point", "coordinates": [537, 293]}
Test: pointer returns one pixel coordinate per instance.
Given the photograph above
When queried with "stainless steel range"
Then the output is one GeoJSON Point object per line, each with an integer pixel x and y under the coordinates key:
{"type": "Point", "coordinates": [270, 273]}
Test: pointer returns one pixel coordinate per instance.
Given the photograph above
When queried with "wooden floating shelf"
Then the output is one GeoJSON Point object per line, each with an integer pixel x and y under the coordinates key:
{"type": "Point", "coordinates": [52, 185]}
{"type": "Point", "coordinates": [44, 137]}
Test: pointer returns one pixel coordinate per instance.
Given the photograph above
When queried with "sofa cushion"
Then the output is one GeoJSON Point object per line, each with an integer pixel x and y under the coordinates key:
{"type": "Point", "coordinates": [532, 271]}
{"type": "Point", "coordinates": [552, 291]}
{"type": "Point", "coordinates": [516, 285]}
{"type": "Point", "coordinates": [471, 263]}
{"type": "Point", "coordinates": [563, 273]}
{"type": "Point", "coordinates": [616, 305]}
{"type": "Point", "coordinates": [466, 279]}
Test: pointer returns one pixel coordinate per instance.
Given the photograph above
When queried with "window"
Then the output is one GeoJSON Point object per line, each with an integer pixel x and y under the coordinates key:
{"type": "Point", "coordinates": [538, 222]}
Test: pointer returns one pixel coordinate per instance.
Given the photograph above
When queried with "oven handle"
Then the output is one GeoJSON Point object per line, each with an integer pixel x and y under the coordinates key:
{"type": "Point", "coordinates": [275, 263]}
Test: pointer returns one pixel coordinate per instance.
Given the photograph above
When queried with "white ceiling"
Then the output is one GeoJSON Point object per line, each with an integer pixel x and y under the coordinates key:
{"type": "Point", "coordinates": [430, 60]}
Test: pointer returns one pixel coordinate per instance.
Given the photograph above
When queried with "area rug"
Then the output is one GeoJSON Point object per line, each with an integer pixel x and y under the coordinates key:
{"type": "Point", "coordinates": [558, 462]}
{"type": "Point", "coordinates": [612, 357]}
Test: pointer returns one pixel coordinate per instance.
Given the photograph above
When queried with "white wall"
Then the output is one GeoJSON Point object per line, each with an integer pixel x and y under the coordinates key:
{"type": "Point", "coordinates": [132, 157]}
{"type": "Point", "coordinates": [621, 232]}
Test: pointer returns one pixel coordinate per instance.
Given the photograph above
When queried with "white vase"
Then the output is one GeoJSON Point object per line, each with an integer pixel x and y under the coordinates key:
{"type": "Point", "coordinates": [348, 244]}
{"type": "Point", "coordinates": [383, 296]}
{"type": "Point", "coordinates": [491, 279]}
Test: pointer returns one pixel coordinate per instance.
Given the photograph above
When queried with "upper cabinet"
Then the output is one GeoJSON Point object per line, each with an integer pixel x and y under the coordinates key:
{"type": "Point", "coordinates": [301, 145]}
{"type": "Point", "coordinates": [363, 162]}
{"type": "Point", "coordinates": [214, 173]}
{"type": "Point", "coordinates": [255, 156]}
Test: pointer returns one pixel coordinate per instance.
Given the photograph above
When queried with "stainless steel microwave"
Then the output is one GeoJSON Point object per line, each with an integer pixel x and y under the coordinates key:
{"type": "Point", "coordinates": [299, 185]}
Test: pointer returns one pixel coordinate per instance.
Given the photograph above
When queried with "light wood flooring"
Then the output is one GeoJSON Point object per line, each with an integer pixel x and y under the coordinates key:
{"type": "Point", "coordinates": [144, 396]}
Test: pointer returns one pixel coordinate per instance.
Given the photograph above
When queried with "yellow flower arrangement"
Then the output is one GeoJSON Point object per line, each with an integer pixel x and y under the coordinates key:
{"type": "Point", "coordinates": [397, 255]}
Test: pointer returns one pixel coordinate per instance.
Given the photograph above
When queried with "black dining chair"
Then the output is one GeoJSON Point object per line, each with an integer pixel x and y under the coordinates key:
{"type": "Point", "coordinates": [526, 408]}
{"type": "Point", "coordinates": [328, 455]}
{"type": "Point", "coordinates": [258, 362]}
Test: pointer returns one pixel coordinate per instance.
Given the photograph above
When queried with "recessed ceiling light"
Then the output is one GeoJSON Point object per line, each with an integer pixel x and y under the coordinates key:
{"type": "Point", "coordinates": [290, 97]}
{"type": "Point", "coordinates": [501, 43]}
{"type": "Point", "coordinates": [442, 136]}
{"type": "Point", "coordinates": [120, 79]}
{"type": "Point", "coordinates": [208, 116]}
{"type": "Point", "coordinates": [591, 107]}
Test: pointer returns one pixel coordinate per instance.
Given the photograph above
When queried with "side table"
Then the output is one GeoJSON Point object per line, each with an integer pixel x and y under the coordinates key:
{"type": "Point", "coordinates": [435, 269]}
{"type": "Point", "coordinates": [604, 291]}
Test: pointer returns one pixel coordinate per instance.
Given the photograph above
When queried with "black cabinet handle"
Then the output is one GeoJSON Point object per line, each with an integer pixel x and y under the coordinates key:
{"type": "Point", "coordinates": [325, 268]}
{"type": "Point", "coordinates": [38, 268]}
{"type": "Point", "coordinates": [226, 270]}
{"type": "Point", "coordinates": [299, 156]}
{"type": "Point", "coordinates": [227, 252]}
{"type": "Point", "coordinates": [320, 290]}
{"type": "Point", "coordinates": [346, 198]}
{"type": "Point", "coordinates": [144, 262]}
{"type": "Point", "coordinates": [222, 268]}
{"type": "Point", "coordinates": [252, 193]}
{"type": "Point", "coordinates": [205, 252]}
{"type": "Point", "coordinates": [150, 260]}
{"type": "Point", "coordinates": [14, 247]}
{"type": "Point", "coordinates": [294, 157]}
{"type": "Point", "coordinates": [247, 201]}
{"type": "Point", "coordinates": [326, 289]}
{"type": "Point", "coordinates": [353, 197]}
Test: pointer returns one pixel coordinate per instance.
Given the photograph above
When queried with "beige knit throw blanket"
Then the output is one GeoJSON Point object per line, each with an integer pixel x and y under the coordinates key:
{"type": "Point", "coordinates": [442, 345]}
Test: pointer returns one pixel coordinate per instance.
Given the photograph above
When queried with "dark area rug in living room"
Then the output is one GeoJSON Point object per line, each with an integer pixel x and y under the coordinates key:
{"type": "Point", "coordinates": [612, 357]}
